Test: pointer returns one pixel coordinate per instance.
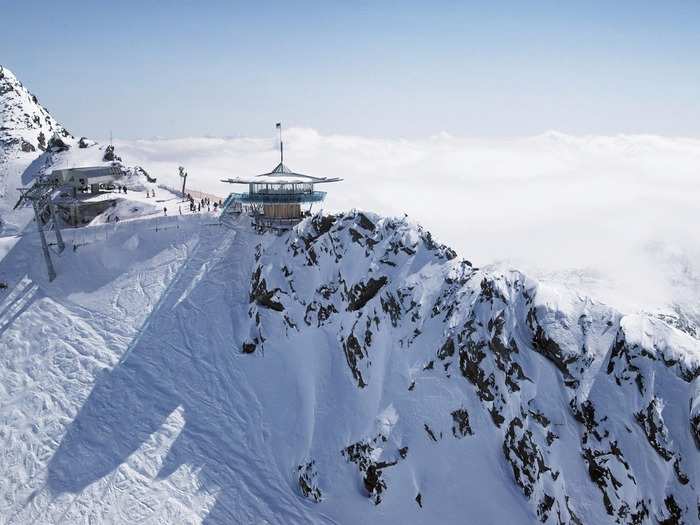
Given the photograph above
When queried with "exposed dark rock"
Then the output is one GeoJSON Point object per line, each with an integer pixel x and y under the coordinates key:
{"type": "Point", "coordinates": [652, 423]}
{"type": "Point", "coordinates": [364, 222]}
{"type": "Point", "coordinates": [27, 147]}
{"type": "Point", "coordinates": [322, 224]}
{"type": "Point", "coordinates": [248, 348]}
{"type": "Point", "coordinates": [360, 454]}
{"type": "Point", "coordinates": [391, 306]}
{"type": "Point", "coordinates": [57, 144]}
{"type": "Point", "coordinates": [544, 507]}
{"type": "Point", "coordinates": [675, 514]}
{"type": "Point", "coordinates": [323, 313]}
{"type": "Point", "coordinates": [622, 363]}
{"type": "Point", "coordinates": [695, 429]}
{"type": "Point", "coordinates": [361, 293]}
{"type": "Point", "coordinates": [461, 426]}
{"type": "Point", "coordinates": [549, 349]}
{"type": "Point", "coordinates": [419, 500]}
{"type": "Point", "coordinates": [489, 291]}
{"type": "Point", "coordinates": [430, 432]}
{"type": "Point", "coordinates": [539, 417]}
{"type": "Point", "coordinates": [524, 456]}
{"type": "Point", "coordinates": [585, 413]}
{"type": "Point", "coordinates": [307, 482]}
{"type": "Point", "coordinates": [261, 295]}
{"type": "Point", "coordinates": [469, 359]}
{"type": "Point", "coordinates": [354, 353]}
{"type": "Point", "coordinates": [447, 349]}
{"type": "Point", "coordinates": [681, 476]}
{"type": "Point", "coordinates": [109, 155]}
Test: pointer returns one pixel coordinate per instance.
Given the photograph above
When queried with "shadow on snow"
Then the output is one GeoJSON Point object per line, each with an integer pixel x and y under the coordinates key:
{"type": "Point", "coordinates": [185, 357]}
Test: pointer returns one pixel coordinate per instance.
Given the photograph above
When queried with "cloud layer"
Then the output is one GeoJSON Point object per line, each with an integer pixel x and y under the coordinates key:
{"type": "Point", "coordinates": [614, 214]}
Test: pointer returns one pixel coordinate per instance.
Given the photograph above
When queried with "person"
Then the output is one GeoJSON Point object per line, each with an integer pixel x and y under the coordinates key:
{"type": "Point", "coordinates": [208, 208]}
{"type": "Point", "coordinates": [154, 192]}
{"type": "Point", "coordinates": [165, 211]}
{"type": "Point", "coordinates": [124, 190]}
{"type": "Point", "coordinates": [116, 219]}
{"type": "Point", "coordinates": [148, 195]}
{"type": "Point", "coordinates": [199, 207]}
{"type": "Point", "coordinates": [179, 209]}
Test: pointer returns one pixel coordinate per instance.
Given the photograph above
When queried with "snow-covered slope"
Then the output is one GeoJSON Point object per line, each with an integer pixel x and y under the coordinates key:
{"type": "Point", "coordinates": [350, 371]}
{"type": "Point", "coordinates": [26, 125]}
{"type": "Point", "coordinates": [32, 143]}
{"type": "Point", "coordinates": [26, 128]}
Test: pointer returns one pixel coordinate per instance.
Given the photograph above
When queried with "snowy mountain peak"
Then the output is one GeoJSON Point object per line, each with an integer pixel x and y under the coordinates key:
{"type": "Point", "coordinates": [25, 125]}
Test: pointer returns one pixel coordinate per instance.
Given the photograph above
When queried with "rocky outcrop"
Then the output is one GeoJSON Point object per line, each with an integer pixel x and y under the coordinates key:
{"type": "Point", "coordinates": [385, 292]}
{"type": "Point", "coordinates": [363, 455]}
{"type": "Point", "coordinates": [308, 483]}
{"type": "Point", "coordinates": [109, 155]}
{"type": "Point", "coordinates": [25, 124]}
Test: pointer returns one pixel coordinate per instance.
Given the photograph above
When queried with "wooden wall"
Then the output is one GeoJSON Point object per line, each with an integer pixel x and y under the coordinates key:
{"type": "Point", "coordinates": [282, 211]}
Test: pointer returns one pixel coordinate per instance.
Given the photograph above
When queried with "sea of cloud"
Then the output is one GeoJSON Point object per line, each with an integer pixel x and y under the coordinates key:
{"type": "Point", "coordinates": [614, 215]}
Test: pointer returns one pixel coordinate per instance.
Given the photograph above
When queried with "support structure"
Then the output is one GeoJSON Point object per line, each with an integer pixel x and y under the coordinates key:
{"type": "Point", "coordinates": [39, 195]}
{"type": "Point", "coordinates": [44, 245]}
{"type": "Point", "coordinates": [183, 176]}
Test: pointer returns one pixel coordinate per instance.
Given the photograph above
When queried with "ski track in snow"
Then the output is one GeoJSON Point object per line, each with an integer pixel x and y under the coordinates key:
{"type": "Point", "coordinates": [173, 376]}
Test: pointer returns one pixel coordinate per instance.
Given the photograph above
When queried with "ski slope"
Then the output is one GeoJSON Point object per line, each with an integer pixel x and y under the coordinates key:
{"type": "Point", "coordinates": [125, 395]}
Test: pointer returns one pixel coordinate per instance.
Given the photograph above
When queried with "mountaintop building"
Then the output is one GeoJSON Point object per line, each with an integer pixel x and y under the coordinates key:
{"type": "Point", "coordinates": [278, 199]}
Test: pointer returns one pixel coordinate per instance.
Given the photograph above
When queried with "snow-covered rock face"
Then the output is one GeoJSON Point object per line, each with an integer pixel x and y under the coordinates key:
{"type": "Point", "coordinates": [29, 139]}
{"type": "Point", "coordinates": [591, 408]}
{"type": "Point", "coordinates": [26, 126]}
{"type": "Point", "coordinates": [351, 370]}
{"type": "Point", "coordinates": [33, 143]}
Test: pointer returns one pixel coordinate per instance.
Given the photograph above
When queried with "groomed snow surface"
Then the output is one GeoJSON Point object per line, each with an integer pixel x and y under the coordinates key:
{"type": "Point", "coordinates": [126, 395]}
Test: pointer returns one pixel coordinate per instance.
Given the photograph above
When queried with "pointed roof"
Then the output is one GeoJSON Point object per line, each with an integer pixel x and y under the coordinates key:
{"type": "Point", "coordinates": [281, 175]}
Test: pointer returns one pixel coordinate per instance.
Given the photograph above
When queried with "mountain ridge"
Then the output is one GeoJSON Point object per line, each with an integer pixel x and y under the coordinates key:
{"type": "Point", "coordinates": [353, 369]}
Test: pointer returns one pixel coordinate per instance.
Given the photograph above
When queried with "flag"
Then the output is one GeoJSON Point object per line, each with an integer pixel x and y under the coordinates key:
{"type": "Point", "coordinates": [278, 125]}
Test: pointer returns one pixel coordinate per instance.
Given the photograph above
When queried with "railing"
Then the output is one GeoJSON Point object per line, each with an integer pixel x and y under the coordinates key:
{"type": "Point", "coordinates": [277, 198]}
{"type": "Point", "coordinates": [197, 195]}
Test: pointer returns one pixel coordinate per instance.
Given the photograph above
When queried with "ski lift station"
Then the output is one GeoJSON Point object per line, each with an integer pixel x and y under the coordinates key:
{"type": "Point", "coordinates": [278, 199]}
{"type": "Point", "coordinates": [92, 177]}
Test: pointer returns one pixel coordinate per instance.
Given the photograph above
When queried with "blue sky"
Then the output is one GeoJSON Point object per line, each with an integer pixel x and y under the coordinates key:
{"type": "Point", "coordinates": [401, 69]}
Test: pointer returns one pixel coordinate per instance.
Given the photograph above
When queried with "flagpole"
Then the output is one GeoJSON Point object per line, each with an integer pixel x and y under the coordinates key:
{"type": "Point", "coordinates": [279, 126]}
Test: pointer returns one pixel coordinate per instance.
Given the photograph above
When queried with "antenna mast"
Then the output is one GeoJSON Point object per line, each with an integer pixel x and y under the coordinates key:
{"type": "Point", "coordinates": [279, 127]}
